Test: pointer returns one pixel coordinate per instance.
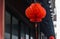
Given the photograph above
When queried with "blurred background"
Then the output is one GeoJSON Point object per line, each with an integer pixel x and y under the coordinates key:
{"type": "Point", "coordinates": [12, 22]}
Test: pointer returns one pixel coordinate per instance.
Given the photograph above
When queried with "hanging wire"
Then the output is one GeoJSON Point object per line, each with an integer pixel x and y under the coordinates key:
{"type": "Point", "coordinates": [36, 30]}
{"type": "Point", "coordinates": [11, 27]}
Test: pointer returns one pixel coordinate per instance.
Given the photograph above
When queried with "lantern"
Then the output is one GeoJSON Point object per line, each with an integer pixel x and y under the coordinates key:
{"type": "Point", "coordinates": [35, 13]}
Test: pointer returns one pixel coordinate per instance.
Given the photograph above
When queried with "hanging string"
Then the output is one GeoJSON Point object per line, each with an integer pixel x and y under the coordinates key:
{"type": "Point", "coordinates": [36, 29]}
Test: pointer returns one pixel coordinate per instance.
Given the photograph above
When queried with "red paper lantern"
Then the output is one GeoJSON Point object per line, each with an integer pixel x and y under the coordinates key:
{"type": "Point", "coordinates": [35, 12]}
{"type": "Point", "coordinates": [51, 37]}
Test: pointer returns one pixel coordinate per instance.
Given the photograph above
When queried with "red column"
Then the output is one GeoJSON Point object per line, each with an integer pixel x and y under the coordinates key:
{"type": "Point", "coordinates": [1, 19]}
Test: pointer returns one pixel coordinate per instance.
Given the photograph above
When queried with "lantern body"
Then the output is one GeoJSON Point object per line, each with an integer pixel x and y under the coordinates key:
{"type": "Point", "coordinates": [35, 12]}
